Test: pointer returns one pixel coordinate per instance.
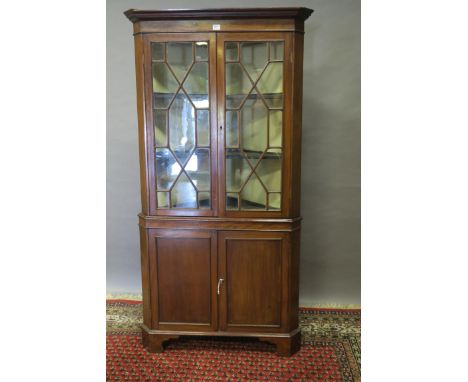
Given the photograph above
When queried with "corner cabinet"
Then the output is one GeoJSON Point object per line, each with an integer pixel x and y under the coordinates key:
{"type": "Point", "coordinates": [219, 97]}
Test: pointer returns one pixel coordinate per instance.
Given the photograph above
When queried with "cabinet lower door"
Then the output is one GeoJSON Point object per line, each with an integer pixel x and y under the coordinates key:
{"type": "Point", "coordinates": [183, 274]}
{"type": "Point", "coordinates": [253, 281]}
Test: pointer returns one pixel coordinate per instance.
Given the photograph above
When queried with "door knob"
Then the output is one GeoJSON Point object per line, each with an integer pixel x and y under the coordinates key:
{"type": "Point", "coordinates": [220, 281]}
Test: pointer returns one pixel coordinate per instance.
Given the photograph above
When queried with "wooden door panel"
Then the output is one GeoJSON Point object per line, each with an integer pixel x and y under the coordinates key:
{"type": "Point", "coordinates": [253, 274]}
{"type": "Point", "coordinates": [254, 267]}
{"type": "Point", "coordinates": [183, 273]}
{"type": "Point", "coordinates": [184, 282]}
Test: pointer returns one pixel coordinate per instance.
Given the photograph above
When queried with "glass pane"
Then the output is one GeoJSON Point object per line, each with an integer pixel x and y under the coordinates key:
{"type": "Point", "coordinates": [237, 170]}
{"type": "Point", "coordinates": [160, 127]}
{"type": "Point", "coordinates": [164, 85]}
{"type": "Point", "coordinates": [157, 51]}
{"type": "Point", "coordinates": [276, 128]}
{"type": "Point", "coordinates": [196, 85]}
{"type": "Point", "coordinates": [232, 51]}
{"type": "Point", "coordinates": [198, 169]}
{"type": "Point", "coordinates": [276, 51]}
{"type": "Point", "coordinates": [253, 196]}
{"type": "Point", "coordinates": [203, 127]}
{"type": "Point", "coordinates": [253, 127]}
{"type": "Point", "coordinates": [204, 199]}
{"type": "Point", "coordinates": [181, 120]}
{"type": "Point", "coordinates": [271, 85]}
{"type": "Point", "coordinates": [232, 201]}
{"type": "Point", "coordinates": [182, 127]}
{"type": "Point", "coordinates": [201, 51]}
{"type": "Point", "coordinates": [238, 85]}
{"type": "Point", "coordinates": [269, 170]}
{"type": "Point", "coordinates": [232, 139]}
{"type": "Point", "coordinates": [183, 195]}
{"type": "Point", "coordinates": [167, 169]}
{"type": "Point", "coordinates": [163, 199]}
{"type": "Point", "coordinates": [179, 57]}
{"type": "Point", "coordinates": [254, 57]}
{"type": "Point", "coordinates": [274, 201]}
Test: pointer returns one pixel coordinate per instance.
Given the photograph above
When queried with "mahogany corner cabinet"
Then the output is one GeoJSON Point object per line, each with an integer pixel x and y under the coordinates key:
{"type": "Point", "coordinates": [219, 99]}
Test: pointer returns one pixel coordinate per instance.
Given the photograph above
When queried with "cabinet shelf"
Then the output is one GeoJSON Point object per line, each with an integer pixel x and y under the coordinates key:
{"type": "Point", "coordinates": [233, 153]}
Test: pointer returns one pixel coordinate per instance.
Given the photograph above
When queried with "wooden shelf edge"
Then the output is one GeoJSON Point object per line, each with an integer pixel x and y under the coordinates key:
{"type": "Point", "coordinates": [220, 223]}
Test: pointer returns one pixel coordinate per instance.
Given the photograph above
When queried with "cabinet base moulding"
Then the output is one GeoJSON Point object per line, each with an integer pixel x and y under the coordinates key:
{"type": "Point", "coordinates": [286, 343]}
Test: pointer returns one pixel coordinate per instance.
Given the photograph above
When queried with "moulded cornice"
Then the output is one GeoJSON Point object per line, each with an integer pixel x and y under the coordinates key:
{"type": "Point", "coordinates": [298, 13]}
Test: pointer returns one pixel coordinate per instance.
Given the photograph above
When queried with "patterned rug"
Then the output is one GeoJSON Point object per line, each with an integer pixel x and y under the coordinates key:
{"type": "Point", "coordinates": [330, 351]}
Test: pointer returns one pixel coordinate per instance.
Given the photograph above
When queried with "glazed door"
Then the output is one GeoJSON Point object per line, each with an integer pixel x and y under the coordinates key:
{"type": "Point", "coordinates": [183, 276]}
{"type": "Point", "coordinates": [181, 133]}
{"type": "Point", "coordinates": [254, 78]}
{"type": "Point", "coordinates": [253, 281]}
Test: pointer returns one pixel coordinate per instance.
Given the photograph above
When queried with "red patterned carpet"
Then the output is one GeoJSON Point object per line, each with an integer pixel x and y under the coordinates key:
{"type": "Point", "coordinates": [330, 352]}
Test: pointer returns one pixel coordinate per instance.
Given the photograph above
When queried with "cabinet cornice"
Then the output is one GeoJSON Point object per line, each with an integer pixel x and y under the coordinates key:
{"type": "Point", "coordinates": [299, 13]}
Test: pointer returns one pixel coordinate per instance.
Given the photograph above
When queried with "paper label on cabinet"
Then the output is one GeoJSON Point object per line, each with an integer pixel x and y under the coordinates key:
{"type": "Point", "coordinates": [216, 27]}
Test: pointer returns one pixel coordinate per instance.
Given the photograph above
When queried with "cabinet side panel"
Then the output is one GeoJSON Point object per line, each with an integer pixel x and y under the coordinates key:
{"type": "Point", "coordinates": [293, 319]}
{"type": "Point", "coordinates": [184, 278]}
{"type": "Point", "coordinates": [296, 138]}
{"type": "Point", "coordinates": [254, 287]}
{"type": "Point", "coordinates": [145, 278]}
{"type": "Point", "coordinates": [139, 71]}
